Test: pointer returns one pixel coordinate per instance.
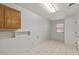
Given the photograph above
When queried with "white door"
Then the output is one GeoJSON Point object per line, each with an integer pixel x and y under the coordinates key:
{"type": "Point", "coordinates": [70, 29]}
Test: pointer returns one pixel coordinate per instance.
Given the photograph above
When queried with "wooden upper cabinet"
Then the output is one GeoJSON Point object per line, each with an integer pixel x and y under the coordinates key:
{"type": "Point", "coordinates": [11, 18]}
{"type": "Point", "coordinates": [2, 16]}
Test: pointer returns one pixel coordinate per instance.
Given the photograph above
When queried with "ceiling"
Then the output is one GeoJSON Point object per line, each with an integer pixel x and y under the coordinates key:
{"type": "Point", "coordinates": [39, 8]}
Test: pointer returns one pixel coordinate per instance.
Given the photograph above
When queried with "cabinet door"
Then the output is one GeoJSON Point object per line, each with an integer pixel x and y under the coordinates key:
{"type": "Point", "coordinates": [16, 19]}
{"type": "Point", "coordinates": [12, 18]}
{"type": "Point", "coordinates": [2, 16]}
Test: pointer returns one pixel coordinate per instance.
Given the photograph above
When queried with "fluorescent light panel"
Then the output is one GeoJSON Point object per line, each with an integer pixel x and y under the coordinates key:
{"type": "Point", "coordinates": [50, 7]}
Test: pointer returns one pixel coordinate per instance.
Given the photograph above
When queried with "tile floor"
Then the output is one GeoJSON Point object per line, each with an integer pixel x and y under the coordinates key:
{"type": "Point", "coordinates": [52, 47]}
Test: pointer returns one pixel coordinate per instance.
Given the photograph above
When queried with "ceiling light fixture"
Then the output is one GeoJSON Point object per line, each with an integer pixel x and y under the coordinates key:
{"type": "Point", "coordinates": [50, 7]}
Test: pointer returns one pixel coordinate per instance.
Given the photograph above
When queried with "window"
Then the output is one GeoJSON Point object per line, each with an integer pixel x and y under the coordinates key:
{"type": "Point", "coordinates": [59, 27]}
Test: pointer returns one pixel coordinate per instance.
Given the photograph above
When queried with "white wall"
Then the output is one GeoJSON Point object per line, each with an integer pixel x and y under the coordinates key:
{"type": "Point", "coordinates": [38, 26]}
{"type": "Point", "coordinates": [55, 35]}
{"type": "Point", "coordinates": [77, 22]}
{"type": "Point", "coordinates": [77, 30]}
{"type": "Point", "coordinates": [70, 29]}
